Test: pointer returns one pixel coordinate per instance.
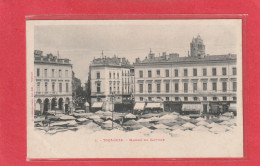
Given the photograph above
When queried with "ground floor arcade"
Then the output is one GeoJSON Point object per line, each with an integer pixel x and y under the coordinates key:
{"type": "Point", "coordinates": [62, 104]}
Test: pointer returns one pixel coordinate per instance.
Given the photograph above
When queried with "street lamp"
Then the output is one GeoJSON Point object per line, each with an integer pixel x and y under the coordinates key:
{"type": "Point", "coordinates": [113, 95]}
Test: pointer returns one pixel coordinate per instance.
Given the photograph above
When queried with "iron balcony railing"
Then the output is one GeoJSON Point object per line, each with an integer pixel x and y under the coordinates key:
{"type": "Point", "coordinates": [53, 93]}
{"type": "Point", "coordinates": [189, 91]}
{"type": "Point", "coordinates": [45, 59]}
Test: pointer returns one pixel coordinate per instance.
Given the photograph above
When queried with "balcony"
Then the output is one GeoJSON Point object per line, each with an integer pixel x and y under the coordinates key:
{"type": "Point", "coordinates": [55, 77]}
{"type": "Point", "coordinates": [52, 93]}
{"type": "Point", "coordinates": [209, 92]}
{"type": "Point", "coordinates": [97, 93]}
{"type": "Point", "coordinates": [51, 60]}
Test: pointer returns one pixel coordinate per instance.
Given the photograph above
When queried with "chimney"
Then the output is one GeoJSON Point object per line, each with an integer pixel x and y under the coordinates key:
{"type": "Point", "coordinates": [151, 56]}
{"type": "Point", "coordinates": [102, 55]}
{"type": "Point", "coordinates": [38, 52]}
{"type": "Point", "coordinates": [123, 60]}
{"type": "Point", "coordinates": [164, 53]}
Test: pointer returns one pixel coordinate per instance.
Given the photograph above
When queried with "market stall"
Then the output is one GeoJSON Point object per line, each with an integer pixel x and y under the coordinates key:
{"type": "Point", "coordinates": [154, 107]}
{"type": "Point", "coordinates": [191, 109]}
{"type": "Point", "coordinates": [97, 106]}
{"type": "Point", "coordinates": [139, 108]}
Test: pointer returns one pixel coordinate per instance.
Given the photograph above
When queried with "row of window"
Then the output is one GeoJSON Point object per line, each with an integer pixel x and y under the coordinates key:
{"type": "Point", "coordinates": [52, 73]}
{"type": "Point", "coordinates": [224, 98]}
{"type": "Point", "coordinates": [116, 88]}
{"type": "Point", "coordinates": [118, 82]}
{"type": "Point", "coordinates": [124, 89]}
{"type": "Point", "coordinates": [195, 87]}
{"type": "Point", "coordinates": [115, 75]}
{"type": "Point", "coordinates": [53, 87]}
{"type": "Point", "coordinates": [185, 72]}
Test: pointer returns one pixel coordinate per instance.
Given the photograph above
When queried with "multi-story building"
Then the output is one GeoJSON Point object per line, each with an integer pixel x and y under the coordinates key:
{"type": "Point", "coordinates": [110, 81]}
{"type": "Point", "coordinates": [197, 78]}
{"type": "Point", "coordinates": [132, 81]}
{"type": "Point", "coordinates": [52, 83]}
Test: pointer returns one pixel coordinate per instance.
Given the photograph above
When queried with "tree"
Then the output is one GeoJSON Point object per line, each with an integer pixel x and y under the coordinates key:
{"type": "Point", "coordinates": [78, 94]}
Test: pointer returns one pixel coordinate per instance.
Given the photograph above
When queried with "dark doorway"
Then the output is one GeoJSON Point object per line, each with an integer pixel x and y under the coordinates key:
{"type": "Point", "coordinates": [66, 108]}
{"type": "Point", "coordinates": [205, 108]}
{"type": "Point", "coordinates": [60, 104]}
{"type": "Point", "coordinates": [53, 103]}
{"type": "Point", "coordinates": [172, 106]}
{"type": "Point", "coordinates": [67, 102]}
{"type": "Point", "coordinates": [46, 106]}
{"type": "Point", "coordinates": [38, 109]}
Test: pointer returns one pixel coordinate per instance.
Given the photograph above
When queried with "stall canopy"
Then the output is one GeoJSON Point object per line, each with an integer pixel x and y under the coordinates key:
{"type": "Point", "coordinates": [191, 107]}
{"type": "Point", "coordinates": [130, 116]}
{"type": "Point", "coordinates": [232, 107]}
{"type": "Point", "coordinates": [97, 105]}
{"type": "Point", "coordinates": [153, 105]}
{"type": "Point", "coordinates": [139, 106]}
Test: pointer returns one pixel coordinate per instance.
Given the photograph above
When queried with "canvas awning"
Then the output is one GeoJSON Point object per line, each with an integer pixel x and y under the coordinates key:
{"type": "Point", "coordinates": [97, 105]}
{"type": "Point", "coordinates": [153, 105]}
{"type": "Point", "coordinates": [139, 106]}
{"type": "Point", "coordinates": [191, 107]}
{"type": "Point", "coordinates": [232, 107]}
{"type": "Point", "coordinates": [130, 116]}
{"type": "Point", "coordinates": [86, 104]}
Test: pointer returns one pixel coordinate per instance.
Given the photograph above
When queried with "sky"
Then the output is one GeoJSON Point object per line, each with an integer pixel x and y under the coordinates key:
{"type": "Point", "coordinates": [81, 41]}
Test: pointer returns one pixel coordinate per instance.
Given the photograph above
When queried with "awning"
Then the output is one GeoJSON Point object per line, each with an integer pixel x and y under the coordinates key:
{"type": "Point", "coordinates": [130, 116]}
{"type": "Point", "coordinates": [139, 106]}
{"type": "Point", "coordinates": [97, 105]}
{"type": "Point", "coordinates": [232, 107]}
{"type": "Point", "coordinates": [86, 104]}
{"type": "Point", "coordinates": [153, 105]}
{"type": "Point", "coordinates": [191, 107]}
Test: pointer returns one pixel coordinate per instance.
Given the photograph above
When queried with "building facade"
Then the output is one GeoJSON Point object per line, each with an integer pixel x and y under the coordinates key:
{"type": "Point", "coordinates": [52, 83]}
{"type": "Point", "coordinates": [110, 81]}
{"type": "Point", "coordinates": [198, 78]}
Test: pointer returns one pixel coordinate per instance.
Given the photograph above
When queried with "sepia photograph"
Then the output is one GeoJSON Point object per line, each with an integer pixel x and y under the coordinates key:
{"type": "Point", "coordinates": [134, 88]}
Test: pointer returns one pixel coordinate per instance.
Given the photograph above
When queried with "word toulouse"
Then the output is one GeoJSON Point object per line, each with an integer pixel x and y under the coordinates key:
{"type": "Point", "coordinates": [134, 140]}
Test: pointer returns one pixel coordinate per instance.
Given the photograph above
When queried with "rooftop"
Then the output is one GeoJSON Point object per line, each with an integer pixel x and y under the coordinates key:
{"type": "Point", "coordinates": [110, 61]}
{"type": "Point", "coordinates": [49, 58]}
{"type": "Point", "coordinates": [192, 59]}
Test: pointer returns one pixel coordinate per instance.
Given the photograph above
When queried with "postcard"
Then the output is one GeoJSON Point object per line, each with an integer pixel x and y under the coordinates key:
{"type": "Point", "coordinates": [134, 88]}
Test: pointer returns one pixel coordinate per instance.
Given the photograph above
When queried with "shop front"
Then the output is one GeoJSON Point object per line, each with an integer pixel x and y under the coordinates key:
{"type": "Point", "coordinates": [154, 107]}
{"type": "Point", "coordinates": [139, 108]}
{"type": "Point", "coordinates": [126, 106]}
{"type": "Point", "coordinates": [191, 108]}
{"type": "Point", "coordinates": [233, 108]}
{"type": "Point", "coordinates": [171, 106]}
{"type": "Point", "coordinates": [217, 108]}
{"type": "Point", "coordinates": [97, 106]}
